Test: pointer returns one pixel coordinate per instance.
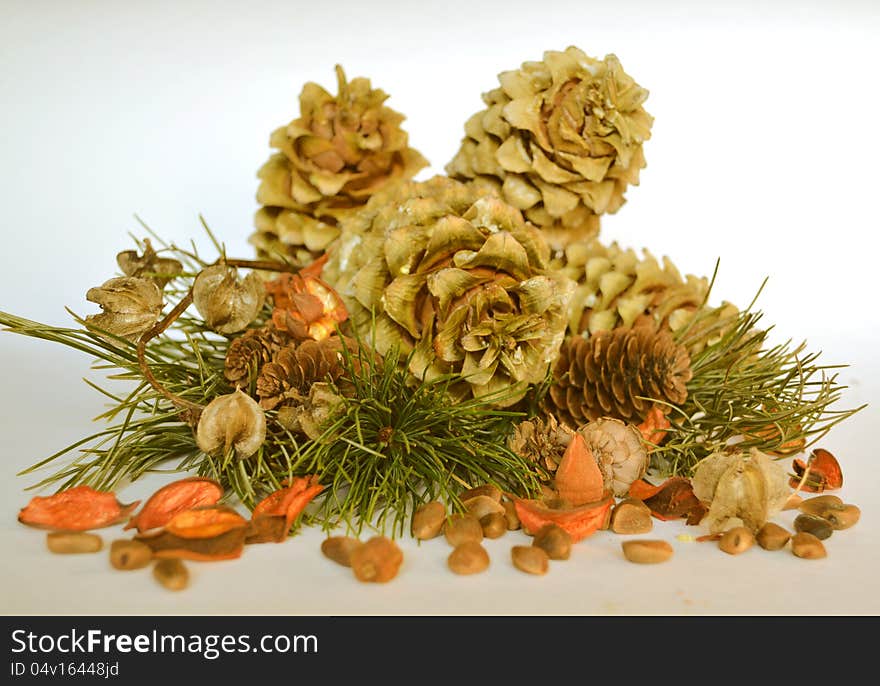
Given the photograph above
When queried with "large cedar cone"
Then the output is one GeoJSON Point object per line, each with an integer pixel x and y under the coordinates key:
{"type": "Point", "coordinates": [297, 366]}
{"type": "Point", "coordinates": [339, 152]}
{"type": "Point", "coordinates": [609, 374]}
{"type": "Point", "coordinates": [249, 352]}
{"type": "Point", "coordinates": [562, 139]}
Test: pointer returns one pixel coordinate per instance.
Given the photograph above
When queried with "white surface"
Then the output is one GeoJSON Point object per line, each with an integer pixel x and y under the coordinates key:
{"type": "Point", "coordinates": [764, 153]}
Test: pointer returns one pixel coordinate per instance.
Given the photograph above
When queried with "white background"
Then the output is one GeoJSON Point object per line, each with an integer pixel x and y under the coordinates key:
{"type": "Point", "coordinates": [764, 153]}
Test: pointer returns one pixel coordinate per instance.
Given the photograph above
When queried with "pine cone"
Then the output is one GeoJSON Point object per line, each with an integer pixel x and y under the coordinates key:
{"type": "Point", "coordinates": [619, 451]}
{"type": "Point", "coordinates": [248, 353]}
{"type": "Point", "coordinates": [339, 152]}
{"type": "Point", "coordinates": [617, 288]}
{"type": "Point", "coordinates": [542, 440]}
{"type": "Point", "coordinates": [562, 139]}
{"type": "Point", "coordinates": [459, 278]}
{"type": "Point", "coordinates": [605, 374]}
{"type": "Point", "coordinates": [297, 366]}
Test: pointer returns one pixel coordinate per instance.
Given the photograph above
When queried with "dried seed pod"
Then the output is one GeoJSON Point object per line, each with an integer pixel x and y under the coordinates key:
{"type": "Point", "coordinates": [227, 304]}
{"type": "Point", "coordinates": [340, 549]}
{"type": "Point", "coordinates": [811, 524]}
{"type": "Point", "coordinates": [462, 528]}
{"type": "Point", "coordinates": [737, 540]}
{"type": "Point", "coordinates": [529, 559]}
{"type": "Point", "coordinates": [468, 558]}
{"type": "Point", "coordinates": [231, 421]}
{"type": "Point", "coordinates": [644, 551]}
{"type": "Point", "coordinates": [428, 520]}
{"type": "Point", "coordinates": [553, 540]}
{"type": "Point", "coordinates": [631, 516]}
{"type": "Point", "coordinates": [171, 573]}
{"type": "Point", "coordinates": [619, 451]}
{"type": "Point", "coordinates": [843, 517]}
{"type": "Point", "coordinates": [131, 306]}
{"type": "Point", "coordinates": [511, 516]}
{"type": "Point", "coordinates": [772, 537]}
{"type": "Point", "coordinates": [149, 265]}
{"type": "Point", "coordinates": [125, 554]}
{"type": "Point", "coordinates": [487, 490]}
{"type": "Point", "coordinates": [378, 560]}
{"type": "Point", "coordinates": [73, 542]}
{"type": "Point", "coordinates": [494, 525]}
{"type": "Point", "coordinates": [807, 546]}
{"type": "Point", "coordinates": [819, 504]}
{"type": "Point", "coordinates": [481, 505]}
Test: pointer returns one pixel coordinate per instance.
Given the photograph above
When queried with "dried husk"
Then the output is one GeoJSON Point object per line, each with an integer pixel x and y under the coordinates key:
{"type": "Point", "coordinates": [174, 498]}
{"type": "Point", "coordinates": [149, 265]}
{"type": "Point", "coordinates": [80, 508]}
{"type": "Point", "coordinates": [131, 306]}
{"type": "Point", "coordinates": [746, 486]}
{"type": "Point", "coordinates": [234, 421]}
{"type": "Point", "coordinates": [210, 533]}
{"type": "Point", "coordinates": [226, 302]}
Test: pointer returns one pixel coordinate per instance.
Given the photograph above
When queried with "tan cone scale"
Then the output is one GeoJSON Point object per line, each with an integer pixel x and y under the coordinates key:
{"type": "Point", "coordinates": [562, 139]}
{"type": "Point", "coordinates": [460, 278]}
{"type": "Point", "coordinates": [331, 159]}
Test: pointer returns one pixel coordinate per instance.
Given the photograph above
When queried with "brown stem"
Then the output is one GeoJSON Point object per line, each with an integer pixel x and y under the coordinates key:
{"type": "Point", "coordinates": [192, 408]}
{"type": "Point", "coordinates": [267, 265]}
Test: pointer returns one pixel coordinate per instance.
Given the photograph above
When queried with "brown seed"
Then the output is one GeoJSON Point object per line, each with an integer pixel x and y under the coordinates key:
{"type": "Point", "coordinates": [772, 536]}
{"type": "Point", "coordinates": [643, 551]}
{"type": "Point", "coordinates": [631, 516]}
{"type": "Point", "coordinates": [427, 520]}
{"type": "Point", "coordinates": [819, 504]}
{"type": "Point", "coordinates": [340, 548]}
{"type": "Point", "coordinates": [811, 524]}
{"type": "Point", "coordinates": [511, 516]}
{"type": "Point", "coordinates": [73, 542]}
{"type": "Point", "coordinates": [126, 555]}
{"type": "Point", "coordinates": [737, 540]}
{"type": "Point", "coordinates": [463, 528]}
{"type": "Point", "coordinates": [843, 518]}
{"type": "Point", "coordinates": [377, 560]}
{"type": "Point", "coordinates": [530, 559]}
{"type": "Point", "coordinates": [494, 525]}
{"type": "Point", "coordinates": [482, 505]}
{"type": "Point", "coordinates": [553, 540]}
{"type": "Point", "coordinates": [468, 558]}
{"type": "Point", "coordinates": [794, 502]}
{"type": "Point", "coordinates": [487, 490]}
{"type": "Point", "coordinates": [807, 546]}
{"type": "Point", "coordinates": [171, 573]}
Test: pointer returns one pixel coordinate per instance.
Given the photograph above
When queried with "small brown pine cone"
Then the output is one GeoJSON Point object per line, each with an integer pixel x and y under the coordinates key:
{"type": "Point", "coordinates": [249, 352]}
{"type": "Point", "coordinates": [608, 374]}
{"type": "Point", "coordinates": [297, 366]}
{"type": "Point", "coordinates": [542, 440]}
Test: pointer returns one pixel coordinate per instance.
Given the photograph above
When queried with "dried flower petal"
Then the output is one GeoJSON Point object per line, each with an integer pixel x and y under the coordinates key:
{"type": "Point", "coordinates": [579, 522]}
{"type": "Point", "coordinates": [275, 514]}
{"type": "Point", "coordinates": [578, 478]}
{"type": "Point", "coordinates": [825, 473]}
{"type": "Point", "coordinates": [305, 306]}
{"type": "Point", "coordinates": [76, 509]}
{"type": "Point", "coordinates": [655, 427]}
{"type": "Point", "coordinates": [173, 499]}
{"type": "Point", "coordinates": [233, 421]}
{"type": "Point", "coordinates": [227, 304]}
{"type": "Point", "coordinates": [672, 499]}
{"type": "Point", "coordinates": [211, 533]}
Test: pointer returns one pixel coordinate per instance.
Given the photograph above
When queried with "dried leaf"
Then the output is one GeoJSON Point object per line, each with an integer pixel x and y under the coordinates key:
{"type": "Point", "coordinates": [275, 514]}
{"type": "Point", "coordinates": [825, 472]}
{"type": "Point", "coordinates": [173, 499]}
{"type": "Point", "coordinates": [672, 499]}
{"type": "Point", "coordinates": [207, 533]}
{"type": "Point", "coordinates": [578, 477]}
{"type": "Point", "coordinates": [76, 509]}
{"type": "Point", "coordinates": [579, 522]}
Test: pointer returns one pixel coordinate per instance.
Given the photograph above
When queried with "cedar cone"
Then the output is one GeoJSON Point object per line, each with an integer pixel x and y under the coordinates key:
{"type": "Point", "coordinates": [331, 159]}
{"type": "Point", "coordinates": [609, 374]}
{"type": "Point", "coordinates": [249, 352]}
{"type": "Point", "coordinates": [542, 440]}
{"type": "Point", "coordinates": [297, 366]}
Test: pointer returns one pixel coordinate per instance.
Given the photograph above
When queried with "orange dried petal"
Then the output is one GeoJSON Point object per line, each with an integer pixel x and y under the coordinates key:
{"type": "Point", "coordinates": [76, 509]}
{"type": "Point", "coordinates": [289, 502]}
{"type": "Point", "coordinates": [825, 472]}
{"type": "Point", "coordinates": [578, 477]}
{"type": "Point", "coordinates": [205, 522]}
{"type": "Point", "coordinates": [655, 427]}
{"type": "Point", "coordinates": [672, 499]}
{"type": "Point", "coordinates": [579, 522]}
{"type": "Point", "coordinates": [175, 498]}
